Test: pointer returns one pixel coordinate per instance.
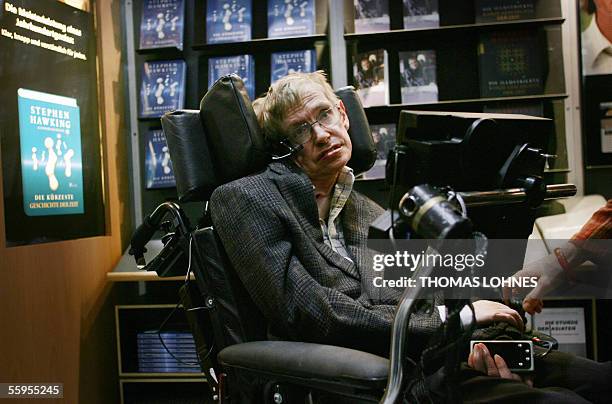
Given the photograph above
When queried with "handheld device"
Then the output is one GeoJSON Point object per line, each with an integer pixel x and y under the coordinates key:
{"type": "Point", "coordinates": [518, 354]}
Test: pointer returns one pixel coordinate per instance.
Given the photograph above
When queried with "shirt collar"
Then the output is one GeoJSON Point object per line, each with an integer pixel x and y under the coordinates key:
{"type": "Point", "coordinates": [594, 43]}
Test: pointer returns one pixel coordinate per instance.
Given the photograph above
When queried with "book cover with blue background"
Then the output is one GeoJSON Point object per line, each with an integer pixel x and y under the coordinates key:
{"type": "Point", "coordinates": [162, 88]}
{"type": "Point", "coordinates": [158, 166]}
{"type": "Point", "coordinates": [161, 24]}
{"type": "Point", "coordinates": [242, 65]}
{"type": "Point", "coordinates": [51, 159]}
{"type": "Point", "coordinates": [228, 21]}
{"type": "Point", "coordinates": [284, 63]}
{"type": "Point", "coordinates": [288, 18]}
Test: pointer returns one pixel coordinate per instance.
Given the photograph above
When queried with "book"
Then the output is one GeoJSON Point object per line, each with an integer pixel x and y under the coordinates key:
{"type": "Point", "coordinates": [566, 324]}
{"type": "Point", "coordinates": [418, 77]}
{"type": "Point", "coordinates": [503, 10]}
{"type": "Point", "coordinates": [51, 158]}
{"type": "Point", "coordinates": [228, 21]}
{"type": "Point", "coordinates": [288, 18]}
{"type": "Point", "coordinates": [242, 65]}
{"type": "Point", "coordinates": [370, 77]}
{"type": "Point", "coordinates": [606, 126]}
{"type": "Point", "coordinates": [524, 108]}
{"type": "Point", "coordinates": [162, 87]}
{"type": "Point", "coordinates": [511, 63]}
{"type": "Point", "coordinates": [158, 166]}
{"type": "Point", "coordinates": [421, 14]}
{"type": "Point", "coordinates": [371, 16]}
{"type": "Point", "coordinates": [284, 63]}
{"type": "Point", "coordinates": [384, 139]}
{"type": "Point", "coordinates": [161, 24]}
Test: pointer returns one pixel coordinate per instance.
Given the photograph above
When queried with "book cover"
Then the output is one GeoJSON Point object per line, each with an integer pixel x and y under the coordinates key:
{"type": "Point", "coordinates": [228, 21]}
{"type": "Point", "coordinates": [566, 324]}
{"type": "Point", "coordinates": [421, 14]}
{"type": "Point", "coordinates": [158, 166]}
{"type": "Point", "coordinates": [161, 24]}
{"type": "Point", "coordinates": [606, 126]}
{"type": "Point", "coordinates": [51, 159]}
{"type": "Point", "coordinates": [371, 16]}
{"type": "Point", "coordinates": [370, 77]}
{"type": "Point", "coordinates": [284, 63]}
{"type": "Point", "coordinates": [511, 63]}
{"type": "Point", "coordinates": [503, 10]}
{"type": "Point", "coordinates": [287, 18]}
{"type": "Point", "coordinates": [162, 87]}
{"type": "Point", "coordinates": [384, 139]}
{"type": "Point", "coordinates": [418, 77]}
{"type": "Point", "coordinates": [242, 65]}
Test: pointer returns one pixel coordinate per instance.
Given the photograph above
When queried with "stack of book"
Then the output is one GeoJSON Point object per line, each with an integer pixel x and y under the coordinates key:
{"type": "Point", "coordinates": [177, 354]}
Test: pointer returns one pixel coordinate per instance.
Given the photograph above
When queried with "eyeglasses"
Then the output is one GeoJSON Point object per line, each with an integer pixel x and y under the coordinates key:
{"type": "Point", "coordinates": [303, 133]}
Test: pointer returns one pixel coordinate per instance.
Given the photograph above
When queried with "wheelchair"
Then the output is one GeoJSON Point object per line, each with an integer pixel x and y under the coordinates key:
{"type": "Point", "coordinates": [217, 144]}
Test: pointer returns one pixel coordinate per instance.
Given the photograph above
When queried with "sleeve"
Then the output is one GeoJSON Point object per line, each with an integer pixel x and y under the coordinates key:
{"type": "Point", "coordinates": [294, 303]}
{"type": "Point", "coordinates": [597, 228]}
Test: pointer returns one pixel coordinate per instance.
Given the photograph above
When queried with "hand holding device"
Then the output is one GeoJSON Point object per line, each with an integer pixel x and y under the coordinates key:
{"type": "Point", "coordinates": [480, 359]}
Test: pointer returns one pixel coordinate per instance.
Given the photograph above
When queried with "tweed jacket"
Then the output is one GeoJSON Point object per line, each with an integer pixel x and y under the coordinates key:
{"type": "Point", "coordinates": [269, 226]}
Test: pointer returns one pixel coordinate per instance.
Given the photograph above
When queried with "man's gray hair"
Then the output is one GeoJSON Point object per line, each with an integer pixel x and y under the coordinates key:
{"type": "Point", "coordinates": [286, 95]}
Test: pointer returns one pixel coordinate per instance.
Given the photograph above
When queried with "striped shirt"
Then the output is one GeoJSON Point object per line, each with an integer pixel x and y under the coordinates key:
{"type": "Point", "coordinates": [333, 235]}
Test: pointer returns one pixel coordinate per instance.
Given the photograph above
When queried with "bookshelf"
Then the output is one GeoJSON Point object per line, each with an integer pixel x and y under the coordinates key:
{"type": "Point", "coordinates": [196, 52]}
{"type": "Point", "coordinates": [455, 42]}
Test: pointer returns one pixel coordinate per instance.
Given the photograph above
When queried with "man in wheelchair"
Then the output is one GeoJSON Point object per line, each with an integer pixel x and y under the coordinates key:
{"type": "Point", "coordinates": [296, 234]}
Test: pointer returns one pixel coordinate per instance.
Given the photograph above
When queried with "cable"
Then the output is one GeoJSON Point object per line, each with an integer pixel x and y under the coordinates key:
{"type": "Point", "coordinates": [189, 260]}
{"type": "Point", "coordinates": [161, 339]}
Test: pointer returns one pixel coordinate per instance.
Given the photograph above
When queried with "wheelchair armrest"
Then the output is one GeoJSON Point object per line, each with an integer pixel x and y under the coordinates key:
{"type": "Point", "coordinates": [308, 361]}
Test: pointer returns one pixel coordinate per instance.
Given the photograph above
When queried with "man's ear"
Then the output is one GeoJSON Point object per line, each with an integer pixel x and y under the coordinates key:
{"type": "Point", "coordinates": [343, 114]}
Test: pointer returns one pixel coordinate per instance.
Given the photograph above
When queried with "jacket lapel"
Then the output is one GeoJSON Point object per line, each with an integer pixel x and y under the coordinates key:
{"type": "Point", "coordinates": [296, 188]}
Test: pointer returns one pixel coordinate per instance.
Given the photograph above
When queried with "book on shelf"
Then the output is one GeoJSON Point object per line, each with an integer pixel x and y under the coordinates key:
{"type": "Point", "coordinates": [158, 166]}
{"type": "Point", "coordinates": [228, 21]}
{"type": "Point", "coordinates": [503, 10]}
{"type": "Point", "coordinates": [241, 65]}
{"type": "Point", "coordinates": [384, 140]}
{"type": "Point", "coordinates": [289, 18]}
{"type": "Point", "coordinates": [370, 77]}
{"type": "Point", "coordinates": [421, 14]}
{"type": "Point", "coordinates": [161, 24]}
{"type": "Point", "coordinates": [606, 126]}
{"type": "Point", "coordinates": [162, 87]}
{"type": "Point", "coordinates": [284, 63]}
{"type": "Point", "coordinates": [535, 108]}
{"type": "Point", "coordinates": [418, 77]}
{"type": "Point", "coordinates": [566, 324]}
{"type": "Point", "coordinates": [371, 16]}
{"type": "Point", "coordinates": [512, 63]}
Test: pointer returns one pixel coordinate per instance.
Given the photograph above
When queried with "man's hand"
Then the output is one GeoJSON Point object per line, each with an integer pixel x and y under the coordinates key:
{"type": "Point", "coordinates": [487, 312]}
{"type": "Point", "coordinates": [481, 360]}
{"type": "Point", "coordinates": [549, 273]}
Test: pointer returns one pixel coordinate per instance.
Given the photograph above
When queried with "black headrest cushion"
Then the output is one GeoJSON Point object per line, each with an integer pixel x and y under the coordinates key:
{"type": "Point", "coordinates": [364, 149]}
{"type": "Point", "coordinates": [191, 160]}
{"type": "Point", "coordinates": [236, 142]}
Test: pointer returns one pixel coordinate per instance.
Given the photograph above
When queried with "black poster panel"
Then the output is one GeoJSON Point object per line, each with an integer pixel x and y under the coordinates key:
{"type": "Point", "coordinates": [50, 137]}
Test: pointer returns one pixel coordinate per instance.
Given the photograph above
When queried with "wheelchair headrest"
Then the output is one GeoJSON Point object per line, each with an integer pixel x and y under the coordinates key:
{"type": "Point", "coordinates": [223, 141]}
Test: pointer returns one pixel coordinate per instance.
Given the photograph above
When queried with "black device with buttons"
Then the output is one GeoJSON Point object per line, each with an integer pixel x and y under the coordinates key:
{"type": "Point", "coordinates": [518, 354]}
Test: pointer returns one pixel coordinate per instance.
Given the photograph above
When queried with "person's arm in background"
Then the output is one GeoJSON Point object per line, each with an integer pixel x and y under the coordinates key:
{"type": "Point", "coordinates": [556, 267]}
